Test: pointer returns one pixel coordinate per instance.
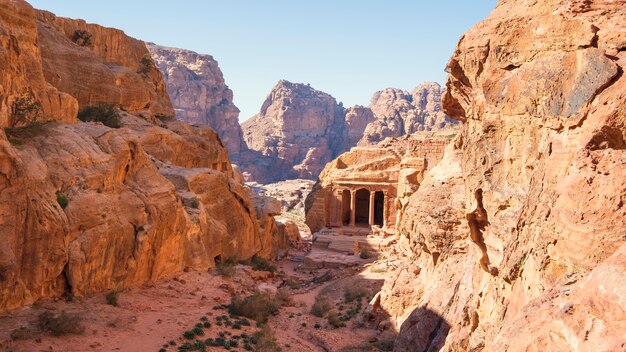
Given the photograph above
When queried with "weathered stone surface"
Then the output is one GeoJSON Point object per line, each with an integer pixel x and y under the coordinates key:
{"type": "Point", "coordinates": [527, 249]}
{"type": "Point", "coordinates": [85, 208]}
{"type": "Point", "coordinates": [199, 94]}
{"type": "Point", "coordinates": [398, 112]}
{"type": "Point", "coordinates": [113, 68]}
{"type": "Point", "coordinates": [300, 129]}
{"type": "Point", "coordinates": [132, 216]}
{"type": "Point", "coordinates": [22, 77]}
{"type": "Point", "coordinates": [299, 124]}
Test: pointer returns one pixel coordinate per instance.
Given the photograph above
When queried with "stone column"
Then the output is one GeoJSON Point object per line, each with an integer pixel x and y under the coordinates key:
{"type": "Point", "coordinates": [385, 209]}
{"type": "Point", "coordinates": [352, 207]}
{"type": "Point", "coordinates": [372, 198]}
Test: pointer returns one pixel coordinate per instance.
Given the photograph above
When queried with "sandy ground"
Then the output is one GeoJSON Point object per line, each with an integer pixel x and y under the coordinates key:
{"type": "Point", "coordinates": [149, 317]}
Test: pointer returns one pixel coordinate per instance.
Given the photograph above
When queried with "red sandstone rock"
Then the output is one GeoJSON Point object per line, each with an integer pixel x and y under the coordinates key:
{"type": "Point", "coordinates": [199, 94]}
{"type": "Point", "coordinates": [539, 88]}
{"type": "Point", "coordinates": [22, 76]}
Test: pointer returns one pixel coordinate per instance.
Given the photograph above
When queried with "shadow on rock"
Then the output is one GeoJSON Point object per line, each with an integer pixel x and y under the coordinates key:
{"type": "Point", "coordinates": [423, 331]}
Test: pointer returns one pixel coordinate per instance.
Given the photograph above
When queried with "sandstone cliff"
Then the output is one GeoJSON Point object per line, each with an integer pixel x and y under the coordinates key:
{"type": "Point", "coordinates": [25, 95]}
{"type": "Point", "coordinates": [196, 86]}
{"type": "Point", "coordinates": [97, 64]}
{"type": "Point", "coordinates": [299, 124]}
{"type": "Point", "coordinates": [516, 239]}
{"type": "Point", "coordinates": [302, 129]}
{"type": "Point", "coordinates": [399, 112]}
{"type": "Point", "coordinates": [86, 208]}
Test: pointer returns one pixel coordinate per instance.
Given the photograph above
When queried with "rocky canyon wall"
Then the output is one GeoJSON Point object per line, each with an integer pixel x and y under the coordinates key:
{"type": "Point", "coordinates": [516, 239]}
{"type": "Point", "coordinates": [199, 94]}
{"type": "Point", "coordinates": [96, 64]}
{"type": "Point", "coordinates": [25, 95]}
{"type": "Point", "coordinates": [86, 208]}
{"type": "Point", "coordinates": [306, 128]}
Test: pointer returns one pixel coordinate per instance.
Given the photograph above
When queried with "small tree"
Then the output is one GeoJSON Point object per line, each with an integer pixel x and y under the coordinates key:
{"type": "Point", "coordinates": [82, 37]}
{"type": "Point", "coordinates": [146, 64]}
{"type": "Point", "coordinates": [105, 113]}
{"type": "Point", "coordinates": [26, 109]}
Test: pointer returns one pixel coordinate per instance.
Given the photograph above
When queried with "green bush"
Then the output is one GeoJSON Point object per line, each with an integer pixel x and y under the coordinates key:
{"type": "Point", "coordinates": [195, 203]}
{"type": "Point", "coordinates": [365, 254]}
{"type": "Point", "coordinates": [82, 37]}
{"type": "Point", "coordinates": [112, 298]}
{"type": "Point", "coordinates": [259, 306]}
{"type": "Point", "coordinates": [146, 64]}
{"type": "Point", "coordinates": [320, 307]}
{"type": "Point", "coordinates": [26, 109]}
{"type": "Point", "coordinates": [227, 268]}
{"type": "Point", "coordinates": [62, 324]}
{"type": "Point", "coordinates": [62, 199]}
{"type": "Point", "coordinates": [334, 321]}
{"type": "Point", "coordinates": [351, 293]}
{"type": "Point", "coordinates": [104, 113]}
{"type": "Point", "coordinates": [261, 264]}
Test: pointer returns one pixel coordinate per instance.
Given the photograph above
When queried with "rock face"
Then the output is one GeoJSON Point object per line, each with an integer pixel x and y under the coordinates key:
{"type": "Point", "coordinates": [52, 66]}
{"type": "Point", "coordinates": [86, 208]}
{"type": "Point", "coordinates": [196, 86]}
{"type": "Point", "coordinates": [302, 129]}
{"type": "Point", "coordinates": [24, 93]}
{"type": "Point", "coordinates": [109, 67]}
{"type": "Point", "coordinates": [516, 239]}
{"type": "Point", "coordinates": [398, 112]}
{"type": "Point", "coordinates": [299, 124]}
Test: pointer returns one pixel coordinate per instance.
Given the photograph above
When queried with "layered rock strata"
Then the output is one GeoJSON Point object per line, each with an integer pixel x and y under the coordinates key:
{"type": "Point", "coordinates": [86, 208]}
{"type": "Point", "coordinates": [516, 239]}
{"type": "Point", "coordinates": [198, 92]}
{"type": "Point", "coordinates": [398, 112]}
{"type": "Point", "coordinates": [302, 129]}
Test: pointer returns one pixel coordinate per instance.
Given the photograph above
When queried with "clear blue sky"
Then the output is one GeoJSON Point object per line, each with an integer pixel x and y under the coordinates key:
{"type": "Point", "coordinates": [348, 48]}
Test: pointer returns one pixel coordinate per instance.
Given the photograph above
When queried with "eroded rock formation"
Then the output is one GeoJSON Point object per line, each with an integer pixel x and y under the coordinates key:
{"type": "Point", "coordinates": [86, 208]}
{"type": "Point", "coordinates": [299, 124]}
{"type": "Point", "coordinates": [199, 94]}
{"type": "Point", "coordinates": [300, 129]}
{"type": "Point", "coordinates": [25, 95]}
{"type": "Point", "coordinates": [526, 213]}
{"type": "Point", "coordinates": [97, 64]}
{"type": "Point", "coordinates": [398, 112]}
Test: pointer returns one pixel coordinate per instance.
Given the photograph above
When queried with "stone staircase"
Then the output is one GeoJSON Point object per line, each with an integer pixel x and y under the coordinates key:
{"type": "Point", "coordinates": [350, 242]}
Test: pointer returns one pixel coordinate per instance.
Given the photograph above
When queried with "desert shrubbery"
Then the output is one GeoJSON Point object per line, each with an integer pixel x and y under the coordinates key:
{"type": "Point", "coordinates": [260, 264]}
{"type": "Point", "coordinates": [321, 306]}
{"type": "Point", "coordinates": [62, 199]}
{"type": "Point", "coordinates": [265, 340]}
{"type": "Point", "coordinates": [227, 268]}
{"type": "Point", "coordinates": [26, 109]}
{"type": "Point", "coordinates": [146, 64]}
{"type": "Point", "coordinates": [62, 324]}
{"type": "Point", "coordinates": [104, 113]}
{"type": "Point", "coordinates": [112, 298]}
{"type": "Point", "coordinates": [259, 306]}
{"type": "Point", "coordinates": [351, 293]}
{"type": "Point", "coordinates": [82, 37]}
{"type": "Point", "coordinates": [365, 254]}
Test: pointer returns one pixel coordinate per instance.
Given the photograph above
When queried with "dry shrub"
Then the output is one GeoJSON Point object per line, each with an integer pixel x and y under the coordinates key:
{"type": "Point", "coordinates": [62, 324]}
{"type": "Point", "coordinates": [320, 307]}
